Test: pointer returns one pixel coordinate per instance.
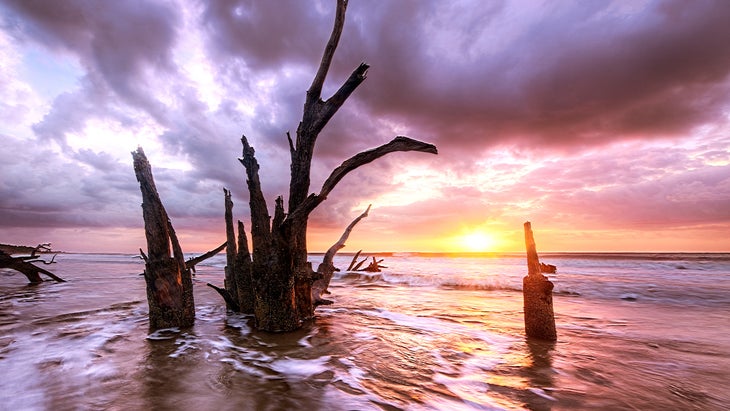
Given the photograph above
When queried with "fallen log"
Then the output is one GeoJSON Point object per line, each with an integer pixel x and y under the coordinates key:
{"type": "Point", "coordinates": [24, 264]}
{"type": "Point", "coordinates": [537, 292]}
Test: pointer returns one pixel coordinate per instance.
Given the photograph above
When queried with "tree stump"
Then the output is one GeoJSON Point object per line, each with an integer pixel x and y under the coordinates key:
{"type": "Point", "coordinates": [169, 281]}
{"type": "Point", "coordinates": [537, 292]}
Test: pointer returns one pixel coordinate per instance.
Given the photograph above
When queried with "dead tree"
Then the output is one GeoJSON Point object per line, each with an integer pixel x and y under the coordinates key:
{"type": "Point", "coordinates": [354, 260]}
{"type": "Point", "coordinates": [537, 292]}
{"type": "Point", "coordinates": [374, 266]}
{"type": "Point", "coordinates": [281, 278]}
{"type": "Point", "coordinates": [327, 268]}
{"type": "Point", "coordinates": [237, 290]}
{"type": "Point", "coordinates": [24, 264]}
{"type": "Point", "coordinates": [167, 274]}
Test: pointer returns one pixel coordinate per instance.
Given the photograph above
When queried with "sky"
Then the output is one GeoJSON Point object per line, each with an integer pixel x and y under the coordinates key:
{"type": "Point", "coordinates": [605, 124]}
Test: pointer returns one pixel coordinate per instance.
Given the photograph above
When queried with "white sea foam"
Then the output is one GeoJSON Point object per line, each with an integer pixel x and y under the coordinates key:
{"type": "Point", "coordinates": [185, 342]}
{"type": "Point", "coordinates": [354, 375]}
{"type": "Point", "coordinates": [164, 334]}
{"type": "Point", "coordinates": [298, 368]}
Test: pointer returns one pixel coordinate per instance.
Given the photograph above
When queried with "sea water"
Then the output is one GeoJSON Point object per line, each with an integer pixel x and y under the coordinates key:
{"type": "Point", "coordinates": [430, 332]}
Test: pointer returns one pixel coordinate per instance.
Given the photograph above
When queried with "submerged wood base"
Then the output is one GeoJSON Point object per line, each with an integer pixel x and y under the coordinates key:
{"type": "Point", "coordinates": [537, 292]}
{"type": "Point", "coordinates": [539, 317]}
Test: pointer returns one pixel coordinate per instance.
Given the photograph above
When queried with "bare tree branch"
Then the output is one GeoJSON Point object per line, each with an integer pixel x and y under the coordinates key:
{"type": "Point", "coordinates": [29, 270]}
{"type": "Point", "coordinates": [292, 150]}
{"type": "Point", "coordinates": [334, 103]}
{"type": "Point", "coordinates": [192, 262]}
{"type": "Point", "coordinates": [399, 143]}
{"type": "Point", "coordinates": [354, 260]}
{"type": "Point", "coordinates": [326, 269]}
{"type": "Point", "coordinates": [314, 93]}
{"type": "Point", "coordinates": [330, 254]}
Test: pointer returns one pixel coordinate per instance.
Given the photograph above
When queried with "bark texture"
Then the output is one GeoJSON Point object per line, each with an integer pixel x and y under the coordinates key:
{"type": "Point", "coordinates": [537, 292]}
{"type": "Point", "coordinates": [169, 281]}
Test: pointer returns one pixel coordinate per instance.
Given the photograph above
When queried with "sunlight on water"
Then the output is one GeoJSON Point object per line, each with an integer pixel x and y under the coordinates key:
{"type": "Point", "coordinates": [429, 333]}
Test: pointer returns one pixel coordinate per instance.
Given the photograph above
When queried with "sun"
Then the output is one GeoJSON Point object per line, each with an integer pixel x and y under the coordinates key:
{"type": "Point", "coordinates": [477, 241]}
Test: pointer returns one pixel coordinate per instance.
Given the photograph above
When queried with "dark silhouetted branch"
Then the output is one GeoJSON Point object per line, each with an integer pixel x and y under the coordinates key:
{"type": "Point", "coordinates": [354, 260]}
{"type": "Point", "coordinates": [192, 262]}
{"type": "Point", "coordinates": [326, 269]}
{"type": "Point", "coordinates": [399, 143]}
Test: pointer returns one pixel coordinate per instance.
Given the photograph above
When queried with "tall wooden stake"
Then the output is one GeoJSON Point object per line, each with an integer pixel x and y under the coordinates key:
{"type": "Point", "coordinates": [537, 292]}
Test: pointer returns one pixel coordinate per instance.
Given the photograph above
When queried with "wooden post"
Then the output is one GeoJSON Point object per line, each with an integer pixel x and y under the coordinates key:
{"type": "Point", "coordinates": [537, 292]}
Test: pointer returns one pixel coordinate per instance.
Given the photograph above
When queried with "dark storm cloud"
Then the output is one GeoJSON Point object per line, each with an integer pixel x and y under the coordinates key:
{"type": "Point", "coordinates": [580, 74]}
{"type": "Point", "coordinates": [115, 40]}
{"type": "Point", "coordinates": [126, 50]}
{"type": "Point", "coordinates": [268, 34]}
{"type": "Point", "coordinates": [472, 75]}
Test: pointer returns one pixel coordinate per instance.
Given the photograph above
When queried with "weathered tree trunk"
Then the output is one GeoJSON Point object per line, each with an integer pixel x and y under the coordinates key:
{"type": "Point", "coordinates": [282, 276]}
{"type": "Point", "coordinates": [537, 292]}
{"type": "Point", "coordinates": [238, 291]}
{"type": "Point", "coordinates": [230, 283]}
{"type": "Point", "coordinates": [242, 276]}
{"type": "Point", "coordinates": [169, 282]}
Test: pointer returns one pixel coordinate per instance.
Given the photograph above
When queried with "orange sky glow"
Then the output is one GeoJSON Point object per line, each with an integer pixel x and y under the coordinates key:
{"type": "Point", "coordinates": [605, 124]}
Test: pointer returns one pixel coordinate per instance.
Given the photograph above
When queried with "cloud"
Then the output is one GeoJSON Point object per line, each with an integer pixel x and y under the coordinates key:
{"type": "Point", "coordinates": [582, 114]}
{"type": "Point", "coordinates": [580, 73]}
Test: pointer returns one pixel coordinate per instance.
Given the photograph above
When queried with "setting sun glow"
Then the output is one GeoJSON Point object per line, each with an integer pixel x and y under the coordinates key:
{"type": "Point", "coordinates": [477, 241]}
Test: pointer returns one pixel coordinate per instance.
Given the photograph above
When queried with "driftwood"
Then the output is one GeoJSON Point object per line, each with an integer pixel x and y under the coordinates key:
{"type": "Point", "coordinates": [548, 268]}
{"type": "Point", "coordinates": [24, 264]}
{"type": "Point", "coordinates": [327, 268]}
{"type": "Point", "coordinates": [354, 260]}
{"type": "Point", "coordinates": [374, 266]}
{"type": "Point", "coordinates": [537, 292]}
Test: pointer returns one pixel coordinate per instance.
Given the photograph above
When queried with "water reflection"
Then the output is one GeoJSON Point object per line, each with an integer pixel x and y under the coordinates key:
{"type": "Point", "coordinates": [540, 374]}
{"type": "Point", "coordinates": [540, 370]}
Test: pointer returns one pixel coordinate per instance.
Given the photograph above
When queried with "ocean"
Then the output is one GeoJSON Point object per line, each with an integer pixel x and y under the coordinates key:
{"type": "Point", "coordinates": [430, 332]}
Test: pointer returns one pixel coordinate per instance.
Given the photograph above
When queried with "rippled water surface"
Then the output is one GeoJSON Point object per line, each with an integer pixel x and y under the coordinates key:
{"type": "Point", "coordinates": [429, 333]}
